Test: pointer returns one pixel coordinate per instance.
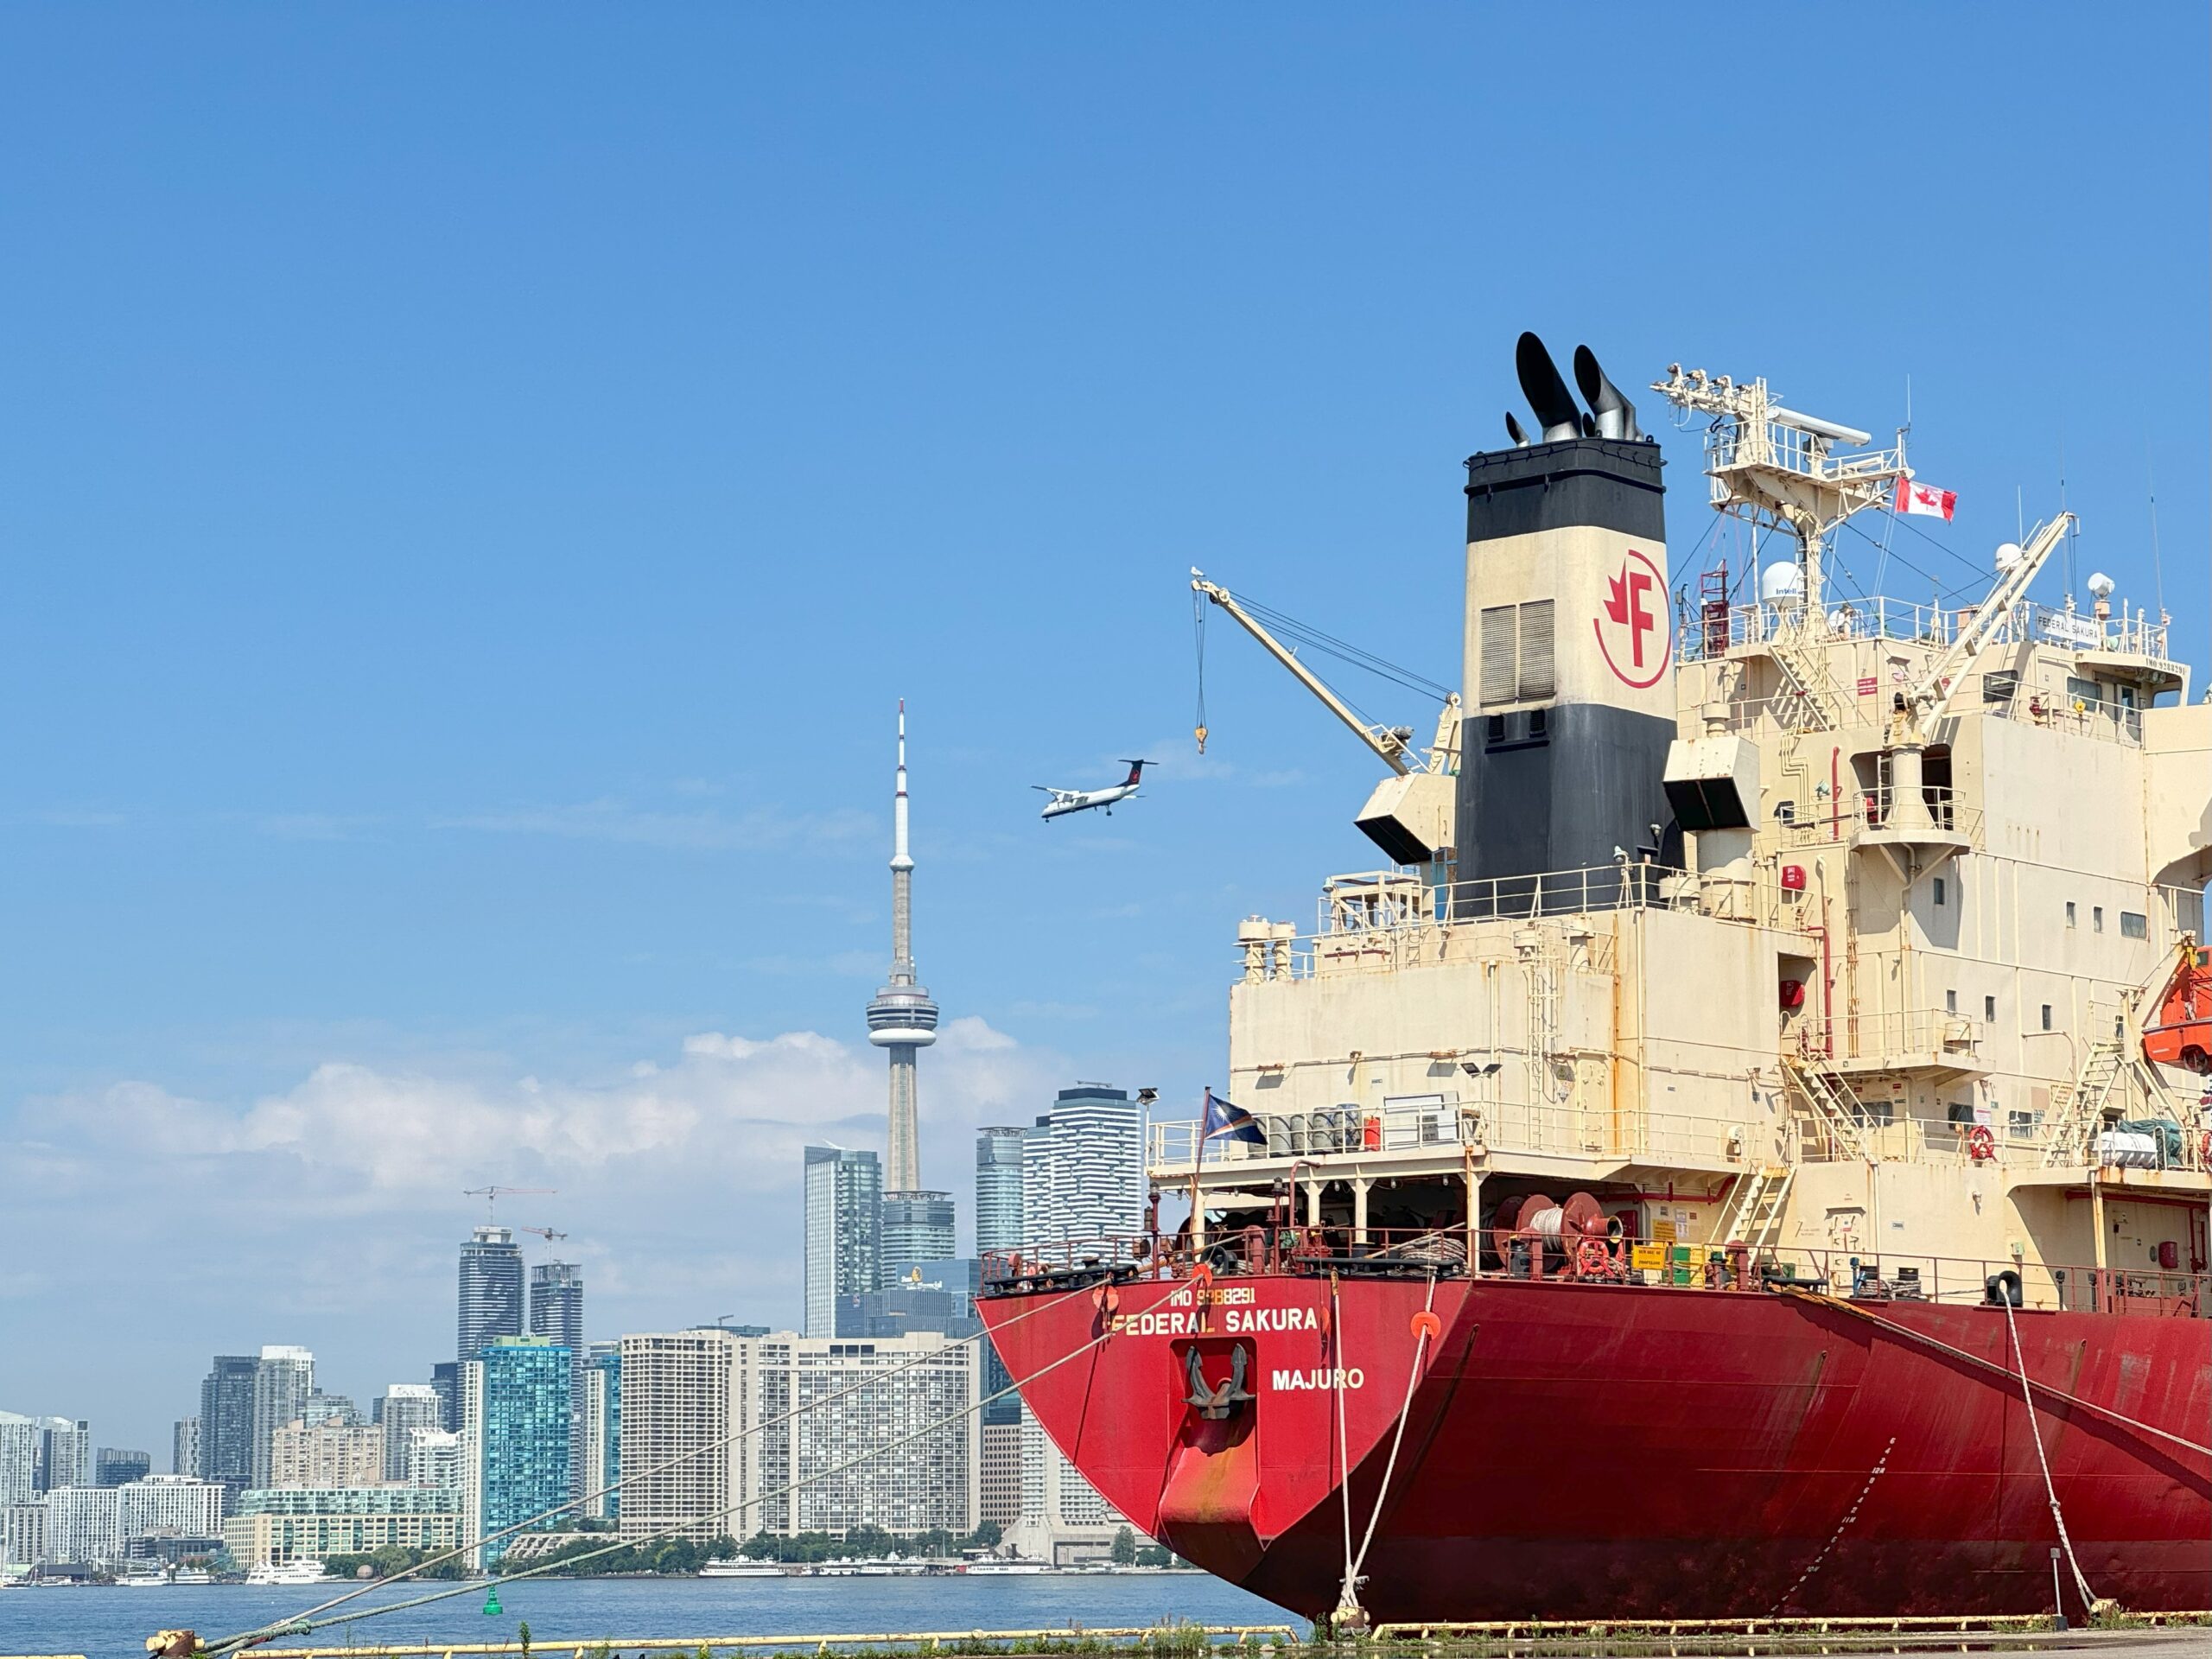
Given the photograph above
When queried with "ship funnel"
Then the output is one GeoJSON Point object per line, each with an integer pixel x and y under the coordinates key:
{"type": "Point", "coordinates": [1615, 414]}
{"type": "Point", "coordinates": [1546, 392]}
{"type": "Point", "coordinates": [1513, 431]}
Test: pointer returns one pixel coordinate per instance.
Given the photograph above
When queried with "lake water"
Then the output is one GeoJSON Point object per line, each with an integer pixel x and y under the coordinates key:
{"type": "Point", "coordinates": [113, 1622]}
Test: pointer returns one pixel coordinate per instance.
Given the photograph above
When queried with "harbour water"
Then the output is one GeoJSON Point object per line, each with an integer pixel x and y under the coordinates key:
{"type": "Point", "coordinates": [110, 1621]}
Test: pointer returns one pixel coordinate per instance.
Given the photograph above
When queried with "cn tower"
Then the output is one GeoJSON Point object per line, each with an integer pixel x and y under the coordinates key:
{"type": "Point", "coordinates": [900, 1016]}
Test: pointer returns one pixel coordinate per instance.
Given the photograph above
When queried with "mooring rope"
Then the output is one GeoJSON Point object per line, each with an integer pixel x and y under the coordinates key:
{"type": "Point", "coordinates": [305, 1622]}
{"type": "Point", "coordinates": [2050, 1491]}
{"type": "Point", "coordinates": [1423, 1324]}
{"type": "Point", "coordinates": [1347, 1598]}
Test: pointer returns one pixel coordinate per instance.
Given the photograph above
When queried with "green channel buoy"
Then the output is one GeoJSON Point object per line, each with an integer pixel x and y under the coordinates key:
{"type": "Point", "coordinates": [492, 1603]}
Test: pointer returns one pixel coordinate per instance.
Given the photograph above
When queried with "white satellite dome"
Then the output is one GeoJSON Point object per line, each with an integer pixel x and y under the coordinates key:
{"type": "Point", "coordinates": [1781, 581]}
{"type": "Point", "coordinates": [2008, 554]}
{"type": "Point", "coordinates": [2100, 586]}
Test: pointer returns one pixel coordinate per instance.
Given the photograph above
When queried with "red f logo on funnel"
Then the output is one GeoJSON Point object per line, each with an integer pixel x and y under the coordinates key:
{"type": "Point", "coordinates": [1634, 608]}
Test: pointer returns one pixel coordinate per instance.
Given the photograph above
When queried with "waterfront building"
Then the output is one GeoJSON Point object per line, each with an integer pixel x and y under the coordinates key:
{"type": "Point", "coordinates": [402, 1408]}
{"type": "Point", "coordinates": [65, 1453]}
{"type": "Point", "coordinates": [113, 1466]}
{"type": "Point", "coordinates": [678, 1467]}
{"type": "Point", "coordinates": [22, 1534]}
{"type": "Point", "coordinates": [284, 1377]}
{"type": "Point", "coordinates": [83, 1526]}
{"type": "Point", "coordinates": [843, 1228]}
{"type": "Point", "coordinates": [327, 1454]}
{"type": "Point", "coordinates": [19, 1457]}
{"type": "Point", "coordinates": [724, 1405]}
{"type": "Point", "coordinates": [184, 1448]}
{"type": "Point", "coordinates": [226, 1421]}
{"type": "Point", "coordinates": [602, 1436]}
{"type": "Point", "coordinates": [556, 1313]}
{"type": "Point", "coordinates": [998, 1189]}
{"type": "Point", "coordinates": [491, 1304]}
{"type": "Point", "coordinates": [917, 1227]}
{"type": "Point", "coordinates": [1083, 1178]}
{"type": "Point", "coordinates": [999, 1474]}
{"type": "Point", "coordinates": [274, 1527]}
{"type": "Point", "coordinates": [901, 1018]}
{"type": "Point", "coordinates": [515, 1424]}
{"type": "Point", "coordinates": [170, 1504]}
{"type": "Point", "coordinates": [1063, 1520]}
{"type": "Point", "coordinates": [435, 1457]}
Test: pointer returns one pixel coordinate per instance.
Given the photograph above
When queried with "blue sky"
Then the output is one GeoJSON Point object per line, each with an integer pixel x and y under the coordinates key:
{"type": "Point", "coordinates": [473, 484]}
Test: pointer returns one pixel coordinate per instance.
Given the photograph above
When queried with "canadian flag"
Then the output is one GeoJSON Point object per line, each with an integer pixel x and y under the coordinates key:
{"type": "Point", "coordinates": [1924, 498]}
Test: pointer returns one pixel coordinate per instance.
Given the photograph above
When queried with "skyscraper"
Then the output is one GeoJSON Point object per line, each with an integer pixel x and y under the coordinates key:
{"type": "Point", "coordinates": [284, 1377]}
{"type": "Point", "coordinates": [184, 1448]}
{"type": "Point", "coordinates": [1083, 1170]}
{"type": "Point", "coordinates": [19, 1439]}
{"type": "Point", "coordinates": [917, 1227]}
{"type": "Point", "coordinates": [998, 1189]}
{"type": "Point", "coordinates": [556, 1313]}
{"type": "Point", "coordinates": [491, 1290]}
{"type": "Point", "coordinates": [402, 1408]}
{"type": "Point", "coordinates": [900, 1017]}
{"type": "Point", "coordinates": [515, 1427]}
{"type": "Point", "coordinates": [844, 1230]}
{"type": "Point", "coordinates": [602, 1431]}
{"type": "Point", "coordinates": [445, 1382]}
{"type": "Point", "coordinates": [64, 1454]}
{"type": "Point", "coordinates": [226, 1422]}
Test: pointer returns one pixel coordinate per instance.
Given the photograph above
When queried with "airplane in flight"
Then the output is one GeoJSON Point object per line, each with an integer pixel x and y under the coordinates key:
{"type": "Point", "coordinates": [1065, 800]}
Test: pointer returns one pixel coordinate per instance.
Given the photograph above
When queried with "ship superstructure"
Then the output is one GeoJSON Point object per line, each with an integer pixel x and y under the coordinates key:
{"type": "Point", "coordinates": [1773, 1030]}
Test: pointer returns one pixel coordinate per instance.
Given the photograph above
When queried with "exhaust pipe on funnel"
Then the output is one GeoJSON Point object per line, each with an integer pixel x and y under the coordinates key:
{"type": "Point", "coordinates": [1615, 414]}
{"type": "Point", "coordinates": [1513, 431]}
{"type": "Point", "coordinates": [1546, 392]}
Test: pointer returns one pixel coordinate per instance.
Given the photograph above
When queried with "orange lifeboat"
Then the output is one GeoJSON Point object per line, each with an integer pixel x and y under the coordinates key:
{"type": "Point", "coordinates": [2182, 1033]}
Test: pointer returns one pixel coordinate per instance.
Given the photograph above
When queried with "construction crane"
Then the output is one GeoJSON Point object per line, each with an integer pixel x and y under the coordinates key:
{"type": "Point", "coordinates": [491, 1195]}
{"type": "Point", "coordinates": [1410, 815]}
{"type": "Point", "coordinates": [548, 1233]}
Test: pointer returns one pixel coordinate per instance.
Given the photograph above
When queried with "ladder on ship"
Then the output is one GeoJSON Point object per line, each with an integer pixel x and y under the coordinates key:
{"type": "Point", "coordinates": [1805, 678]}
{"type": "Point", "coordinates": [2076, 1101]}
{"type": "Point", "coordinates": [1832, 1112]}
{"type": "Point", "coordinates": [1754, 1213]}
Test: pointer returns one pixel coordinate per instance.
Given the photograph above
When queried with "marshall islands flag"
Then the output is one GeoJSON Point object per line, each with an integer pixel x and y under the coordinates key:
{"type": "Point", "coordinates": [1226, 1121]}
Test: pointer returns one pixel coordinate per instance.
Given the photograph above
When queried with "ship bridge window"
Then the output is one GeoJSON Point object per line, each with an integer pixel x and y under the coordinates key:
{"type": "Point", "coordinates": [2096, 918]}
{"type": "Point", "coordinates": [1959, 1112]}
{"type": "Point", "coordinates": [2046, 1016]}
{"type": "Point", "coordinates": [1940, 898]}
{"type": "Point", "coordinates": [2134, 926]}
{"type": "Point", "coordinates": [2069, 913]}
{"type": "Point", "coordinates": [1951, 1002]}
{"type": "Point", "coordinates": [1989, 1007]}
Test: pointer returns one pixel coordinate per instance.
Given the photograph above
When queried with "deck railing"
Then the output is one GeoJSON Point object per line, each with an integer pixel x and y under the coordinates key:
{"type": "Point", "coordinates": [2129, 634]}
{"type": "Point", "coordinates": [1270, 1242]}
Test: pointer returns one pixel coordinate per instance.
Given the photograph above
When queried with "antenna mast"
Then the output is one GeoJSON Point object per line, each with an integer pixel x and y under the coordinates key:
{"type": "Point", "coordinates": [1773, 465]}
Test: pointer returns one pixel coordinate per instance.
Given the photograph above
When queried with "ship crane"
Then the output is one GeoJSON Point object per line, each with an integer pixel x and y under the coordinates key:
{"type": "Point", "coordinates": [1409, 816]}
{"type": "Point", "coordinates": [1917, 710]}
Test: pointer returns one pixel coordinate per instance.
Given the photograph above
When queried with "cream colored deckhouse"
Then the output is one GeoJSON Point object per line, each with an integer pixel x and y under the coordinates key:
{"type": "Point", "coordinates": [1777, 914]}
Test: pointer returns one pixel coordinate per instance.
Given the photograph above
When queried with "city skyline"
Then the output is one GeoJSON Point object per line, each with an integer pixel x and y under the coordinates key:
{"type": "Point", "coordinates": [399, 808]}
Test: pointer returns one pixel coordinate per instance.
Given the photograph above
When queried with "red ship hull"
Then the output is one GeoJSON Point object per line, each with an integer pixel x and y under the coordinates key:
{"type": "Point", "coordinates": [1599, 1451]}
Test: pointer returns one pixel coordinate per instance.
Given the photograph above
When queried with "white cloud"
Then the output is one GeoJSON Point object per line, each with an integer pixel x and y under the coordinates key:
{"type": "Point", "coordinates": [677, 1176]}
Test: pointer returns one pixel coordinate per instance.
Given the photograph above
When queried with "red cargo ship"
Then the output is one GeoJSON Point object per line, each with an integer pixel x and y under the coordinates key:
{"type": "Point", "coordinates": [1764, 933]}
